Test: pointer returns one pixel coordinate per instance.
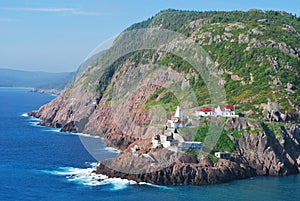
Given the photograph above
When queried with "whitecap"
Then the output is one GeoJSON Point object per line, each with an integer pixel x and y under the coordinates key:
{"type": "Point", "coordinates": [88, 177]}
{"type": "Point", "coordinates": [57, 130]}
{"type": "Point", "coordinates": [24, 115]}
{"type": "Point", "coordinates": [33, 121]}
{"type": "Point", "coordinates": [79, 134]}
{"type": "Point", "coordinates": [155, 185]}
{"type": "Point", "coordinates": [119, 184]}
{"type": "Point", "coordinates": [30, 118]}
{"type": "Point", "coordinates": [112, 150]}
{"type": "Point", "coordinates": [92, 164]}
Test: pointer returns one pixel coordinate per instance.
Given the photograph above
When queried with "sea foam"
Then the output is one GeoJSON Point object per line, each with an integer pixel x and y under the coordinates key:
{"type": "Point", "coordinates": [112, 150]}
{"type": "Point", "coordinates": [57, 130]}
{"type": "Point", "coordinates": [78, 134]}
{"type": "Point", "coordinates": [88, 177]}
{"type": "Point", "coordinates": [31, 120]}
{"type": "Point", "coordinates": [24, 115]}
{"type": "Point", "coordinates": [35, 121]}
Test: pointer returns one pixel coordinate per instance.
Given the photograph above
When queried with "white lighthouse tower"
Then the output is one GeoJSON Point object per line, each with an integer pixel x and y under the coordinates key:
{"type": "Point", "coordinates": [178, 113]}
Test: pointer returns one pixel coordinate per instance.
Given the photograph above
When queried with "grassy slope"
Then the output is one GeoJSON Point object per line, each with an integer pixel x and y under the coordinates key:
{"type": "Point", "coordinates": [231, 55]}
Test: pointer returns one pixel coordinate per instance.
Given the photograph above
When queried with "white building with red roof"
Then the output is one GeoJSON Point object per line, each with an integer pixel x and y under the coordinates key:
{"type": "Point", "coordinates": [204, 112]}
{"type": "Point", "coordinates": [225, 111]}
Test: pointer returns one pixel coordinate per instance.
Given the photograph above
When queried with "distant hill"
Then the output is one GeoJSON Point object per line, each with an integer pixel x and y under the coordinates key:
{"type": "Point", "coordinates": [35, 79]}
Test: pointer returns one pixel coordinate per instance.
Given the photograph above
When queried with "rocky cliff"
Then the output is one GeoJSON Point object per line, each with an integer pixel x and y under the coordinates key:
{"type": "Point", "coordinates": [124, 97]}
{"type": "Point", "coordinates": [259, 152]}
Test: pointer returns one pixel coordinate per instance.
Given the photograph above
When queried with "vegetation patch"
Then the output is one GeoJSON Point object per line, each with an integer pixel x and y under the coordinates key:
{"type": "Point", "coordinates": [162, 97]}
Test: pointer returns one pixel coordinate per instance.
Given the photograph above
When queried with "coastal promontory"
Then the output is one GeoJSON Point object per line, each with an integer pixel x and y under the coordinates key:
{"type": "Point", "coordinates": [130, 96]}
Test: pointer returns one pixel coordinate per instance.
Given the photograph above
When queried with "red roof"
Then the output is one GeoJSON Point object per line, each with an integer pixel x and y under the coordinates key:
{"type": "Point", "coordinates": [228, 107]}
{"type": "Point", "coordinates": [205, 110]}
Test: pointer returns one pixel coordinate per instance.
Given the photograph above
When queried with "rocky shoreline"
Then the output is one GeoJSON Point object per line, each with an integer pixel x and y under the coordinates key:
{"type": "Point", "coordinates": [184, 171]}
{"type": "Point", "coordinates": [55, 92]}
{"type": "Point", "coordinates": [257, 154]}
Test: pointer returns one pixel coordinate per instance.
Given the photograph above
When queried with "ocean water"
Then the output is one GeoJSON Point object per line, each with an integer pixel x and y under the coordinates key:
{"type": "Point", "coordinates": [39, 163]}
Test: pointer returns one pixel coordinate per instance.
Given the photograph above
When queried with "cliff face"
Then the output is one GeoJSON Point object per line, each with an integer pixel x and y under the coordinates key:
{"type": "Point", "coordinates": [259, 152]}
{"type": "Point", "coordinates": [265, 152]}
{"type": "Point", "coordinates": [185, 170]}
{"type": "Point", "coordinates": [118, 100]}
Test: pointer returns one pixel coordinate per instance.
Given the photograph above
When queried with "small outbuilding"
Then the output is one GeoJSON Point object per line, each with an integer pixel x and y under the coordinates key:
{"type": "Point", "coordinates": [223, 155]}
{"type": "Point", "coordinates": [205, 112]}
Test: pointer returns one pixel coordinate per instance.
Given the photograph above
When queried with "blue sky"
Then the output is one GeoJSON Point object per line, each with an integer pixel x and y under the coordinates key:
{"type": "Point", "coordinates": [57, 35]}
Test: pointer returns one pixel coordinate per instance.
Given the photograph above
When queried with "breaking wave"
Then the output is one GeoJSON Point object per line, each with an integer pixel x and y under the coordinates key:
{"type": "Point", "coordinates": [88, 177]}
{"type": "Point", "coordinates": [24, 115]}
{"type": "Point", "coordinates": [80, 134]}
{"type": "Point", "coordinates": [32, 120]}
{"type": "Point", "coordinates": [35, 121]}
{"type": "Point", "coordinates": [112, 150]}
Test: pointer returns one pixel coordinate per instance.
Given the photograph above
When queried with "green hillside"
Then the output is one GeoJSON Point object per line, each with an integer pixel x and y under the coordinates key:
{"type": "Point", "coordinates": [257, 54]}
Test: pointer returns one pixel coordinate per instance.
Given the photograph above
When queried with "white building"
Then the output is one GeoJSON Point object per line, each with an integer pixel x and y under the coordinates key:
{"type": "Point", "coordinates": [178, 113]}
{"type": "Point", "coordinates": [165, 140]}
{"type": "Point", "coordinates": [155, 143]}
{"type": "Point", "coordinates": [205, 112]}
{"type": "Point", "coordinates": [225, 111]}
{"type": "Point", "coordinates": [176, 121]}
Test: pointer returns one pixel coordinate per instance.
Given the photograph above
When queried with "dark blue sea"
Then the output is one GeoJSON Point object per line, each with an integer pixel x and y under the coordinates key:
{"type": "Point", "coordinates": [40, 163]}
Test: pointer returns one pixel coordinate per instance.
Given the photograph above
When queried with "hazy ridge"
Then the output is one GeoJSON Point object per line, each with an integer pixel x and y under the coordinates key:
{"type": "Point", "coordinates": [34, 79]}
